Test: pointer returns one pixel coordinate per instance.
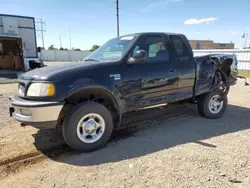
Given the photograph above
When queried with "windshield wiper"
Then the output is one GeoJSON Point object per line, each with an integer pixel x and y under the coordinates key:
{"type": "Point", "coordinates": [91, 60]}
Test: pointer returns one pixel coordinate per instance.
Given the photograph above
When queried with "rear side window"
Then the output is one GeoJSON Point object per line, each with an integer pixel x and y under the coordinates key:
{"type": "Point", "coordinates": [180, 47]}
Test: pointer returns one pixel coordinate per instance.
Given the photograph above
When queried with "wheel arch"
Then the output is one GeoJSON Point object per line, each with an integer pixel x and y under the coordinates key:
{"type": "Point", "coordinates": [96, 93]}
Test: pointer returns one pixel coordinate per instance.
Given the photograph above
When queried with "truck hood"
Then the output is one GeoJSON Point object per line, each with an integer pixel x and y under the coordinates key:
{"type": "Point", "coordinates": [45, 73]}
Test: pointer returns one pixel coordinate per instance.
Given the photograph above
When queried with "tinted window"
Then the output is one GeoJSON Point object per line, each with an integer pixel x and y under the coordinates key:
{"type": "Point", "coordinates": [180, 46]}
{"type": "Point", "coordinates": [154, 47]}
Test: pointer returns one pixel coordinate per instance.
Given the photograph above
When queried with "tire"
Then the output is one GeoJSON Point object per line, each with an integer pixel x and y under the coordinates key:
{"type": "Point", "coordinates": [72, 128]}
{"type": "Point", "coordinates": [205, 109]}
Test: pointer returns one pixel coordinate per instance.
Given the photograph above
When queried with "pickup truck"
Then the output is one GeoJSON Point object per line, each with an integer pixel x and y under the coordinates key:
{"type": "Point", "coordinates": [88, 99]}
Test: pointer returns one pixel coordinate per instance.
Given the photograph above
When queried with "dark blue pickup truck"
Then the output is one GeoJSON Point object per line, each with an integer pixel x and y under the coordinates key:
{"type": "Point", "coordinates": [88, 99]}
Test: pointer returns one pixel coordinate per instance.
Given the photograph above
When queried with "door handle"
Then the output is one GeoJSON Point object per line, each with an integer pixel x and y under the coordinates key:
{"type": "Point", "coordinates": [172, 70]}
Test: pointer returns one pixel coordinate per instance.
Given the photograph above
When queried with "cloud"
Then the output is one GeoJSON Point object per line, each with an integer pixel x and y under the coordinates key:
{"type": "Point", "coordinates": [193, 21]}
{"type": "Point", "coordinates": [157, 4]}
{"type": "Point", "coordinates": [232, 32]}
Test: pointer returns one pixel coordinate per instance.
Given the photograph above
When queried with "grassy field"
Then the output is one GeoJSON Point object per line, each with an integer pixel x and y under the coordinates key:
{"type": "Point", "coordinates": [245, 73]}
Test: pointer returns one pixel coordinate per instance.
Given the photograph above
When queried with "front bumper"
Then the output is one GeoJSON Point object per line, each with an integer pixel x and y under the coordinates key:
{"type": "Point", "coordinates": [38, 114]}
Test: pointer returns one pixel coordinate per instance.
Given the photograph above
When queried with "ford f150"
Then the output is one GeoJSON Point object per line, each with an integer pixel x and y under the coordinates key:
{"type": "Point", "coordinates": [88, 99]}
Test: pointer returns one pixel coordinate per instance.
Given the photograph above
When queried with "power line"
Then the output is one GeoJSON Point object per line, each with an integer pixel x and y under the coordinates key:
{"type": "Point", "coordinates": [40, 29]}
{"type": "Point", "coordinates": [117, 18]}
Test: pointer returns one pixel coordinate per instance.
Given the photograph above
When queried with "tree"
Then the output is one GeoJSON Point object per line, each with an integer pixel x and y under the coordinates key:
{"type": "Point", "coordinates": [52, 47]}
{"type": "Point", "coordinates": [63, 48]}
{"type": "Point", "coordinates": [94, 47]}
{"type": "Point", "coordinates": [75, 49]}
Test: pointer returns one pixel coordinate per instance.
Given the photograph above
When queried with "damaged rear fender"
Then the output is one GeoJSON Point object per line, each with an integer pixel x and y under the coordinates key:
{"type": "Point", "coordinates": [212, 69]}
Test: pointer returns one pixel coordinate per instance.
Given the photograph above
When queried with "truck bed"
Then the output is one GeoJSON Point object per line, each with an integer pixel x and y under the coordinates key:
{"type": "Point", "coordinates": [226, 62]}
{"type": "Point", "coordinates": [205, 72]}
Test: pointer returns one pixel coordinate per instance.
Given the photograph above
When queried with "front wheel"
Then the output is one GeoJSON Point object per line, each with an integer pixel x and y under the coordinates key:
{"type": "Point", "coordinates": [87, 127]}
{"type": "Point", "coordinates": [212, 106]}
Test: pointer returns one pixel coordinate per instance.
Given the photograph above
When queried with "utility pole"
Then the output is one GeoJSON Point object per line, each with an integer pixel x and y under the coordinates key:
{"type": "Point", "coordinates": [70, 38]}
{"type": "Point", "coordinates": [40, 29]}
{"type": "Point", "coordinates": [42, 32]}
{"type": "Point", "coordinates": [60, 42]}
{"type": "Point", "coordinates": [117, 18]}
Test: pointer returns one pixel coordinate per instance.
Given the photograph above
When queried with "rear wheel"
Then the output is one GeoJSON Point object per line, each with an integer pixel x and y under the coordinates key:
{"type": "Point", "coordinates": [87, 127]}
{"type": "Point", "coordinates": [212, 105]}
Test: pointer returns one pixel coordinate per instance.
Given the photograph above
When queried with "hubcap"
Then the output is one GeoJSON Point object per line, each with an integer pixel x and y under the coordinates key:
{"type": "Point", "coordinates": [90, 128]}
{"type": "Point", "coordinates": [215, 105]}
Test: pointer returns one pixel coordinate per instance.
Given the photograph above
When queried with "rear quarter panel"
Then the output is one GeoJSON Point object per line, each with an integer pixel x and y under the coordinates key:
{"type": "Point", "coordinates": [205, 70]}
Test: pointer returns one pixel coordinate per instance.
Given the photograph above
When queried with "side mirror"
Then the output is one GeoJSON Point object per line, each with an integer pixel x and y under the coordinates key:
{"type": "Point", "coordinates": [138, 57]}
{"type": "Point", "coordinates": [39, 49]}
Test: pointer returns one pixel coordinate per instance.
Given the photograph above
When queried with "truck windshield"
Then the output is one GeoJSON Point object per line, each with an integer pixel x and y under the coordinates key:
{"type": "Point", "coordinates": [112, 50]}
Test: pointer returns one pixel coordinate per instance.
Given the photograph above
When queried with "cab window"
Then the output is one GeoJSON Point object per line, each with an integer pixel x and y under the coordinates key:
{"type": "Point", "coordinates": [180, 46]}
{"type": "Point", "coordinates": [155, 49]}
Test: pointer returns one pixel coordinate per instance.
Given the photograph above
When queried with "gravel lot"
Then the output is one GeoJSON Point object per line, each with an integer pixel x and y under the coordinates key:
{"type": "Point", "coordinates": [175, 148]}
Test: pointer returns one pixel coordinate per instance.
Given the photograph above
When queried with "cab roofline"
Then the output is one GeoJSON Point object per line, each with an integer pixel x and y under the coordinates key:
{"type": "Point", "coordinates": [150, 33]}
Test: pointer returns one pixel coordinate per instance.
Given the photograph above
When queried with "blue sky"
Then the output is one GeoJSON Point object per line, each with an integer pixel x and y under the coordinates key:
{"type": "Point", "coordinates": [94, 22]}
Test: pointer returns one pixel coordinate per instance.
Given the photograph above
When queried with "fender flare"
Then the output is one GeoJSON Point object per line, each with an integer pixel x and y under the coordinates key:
{"type": "Point", "coordinates": [116, 97]}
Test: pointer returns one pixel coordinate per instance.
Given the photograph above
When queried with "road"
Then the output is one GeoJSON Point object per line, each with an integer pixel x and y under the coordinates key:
{"type": "Point", "coordinates": [166, 147]}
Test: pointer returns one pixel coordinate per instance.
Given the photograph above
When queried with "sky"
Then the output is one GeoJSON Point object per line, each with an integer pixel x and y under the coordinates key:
{"type": "Point", "coordinates": [94, 21]}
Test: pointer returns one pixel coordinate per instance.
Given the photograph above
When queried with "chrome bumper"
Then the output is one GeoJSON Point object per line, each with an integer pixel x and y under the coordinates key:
{"type": "Point", "coordinates": [38, 114]}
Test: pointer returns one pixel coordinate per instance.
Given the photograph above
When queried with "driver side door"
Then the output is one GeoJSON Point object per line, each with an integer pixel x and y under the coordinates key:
{"type": "Point", "coordinates": [149, 82]}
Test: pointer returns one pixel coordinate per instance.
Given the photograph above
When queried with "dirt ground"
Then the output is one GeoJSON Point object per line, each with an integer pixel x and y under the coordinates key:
{"type": "Point", "coordinates": [169, 147]}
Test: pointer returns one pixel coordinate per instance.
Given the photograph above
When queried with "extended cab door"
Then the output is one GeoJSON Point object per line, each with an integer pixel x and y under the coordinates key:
{"type": "Point", "coordinates": [149, 83]}
{"type": "Point", "coordinates": [185, 66]}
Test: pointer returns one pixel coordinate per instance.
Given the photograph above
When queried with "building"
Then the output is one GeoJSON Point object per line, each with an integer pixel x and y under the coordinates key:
{"type": "Point", "coordinates": [209, 44]}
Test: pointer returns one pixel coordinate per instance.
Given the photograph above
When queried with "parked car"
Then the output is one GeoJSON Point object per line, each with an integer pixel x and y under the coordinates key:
{"type": "Point", "coordinates": [88, 99]}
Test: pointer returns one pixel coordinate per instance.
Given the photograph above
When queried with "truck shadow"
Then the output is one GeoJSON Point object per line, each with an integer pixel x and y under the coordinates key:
{"type": "Point", "coordinates": [179, 126]}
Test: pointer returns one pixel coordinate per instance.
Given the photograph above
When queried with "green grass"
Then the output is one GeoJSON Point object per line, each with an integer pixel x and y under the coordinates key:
{"type": "Point", "coordinates": [245, 73]}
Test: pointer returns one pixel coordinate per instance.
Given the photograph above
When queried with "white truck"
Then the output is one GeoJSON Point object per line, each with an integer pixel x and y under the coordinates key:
{"type": "Point", "coordinates": [18, 45]}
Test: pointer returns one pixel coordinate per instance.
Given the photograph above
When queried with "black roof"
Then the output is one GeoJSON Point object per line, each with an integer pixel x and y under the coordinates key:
{"type": "Point", "coordinates": [151, 33]}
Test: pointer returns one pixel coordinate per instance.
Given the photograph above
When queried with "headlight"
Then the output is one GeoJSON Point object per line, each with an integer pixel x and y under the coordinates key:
{"type": "Point", "coordinates": [41, 90]}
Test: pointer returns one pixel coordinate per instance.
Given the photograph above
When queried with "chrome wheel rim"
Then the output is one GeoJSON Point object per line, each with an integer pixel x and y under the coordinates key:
{"type": "Point", "coordinates": [90, 128]}
{"type": "Point", "coordinates": [215, 105]}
